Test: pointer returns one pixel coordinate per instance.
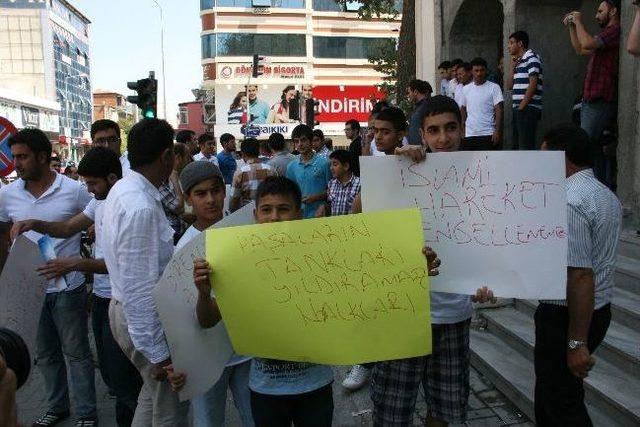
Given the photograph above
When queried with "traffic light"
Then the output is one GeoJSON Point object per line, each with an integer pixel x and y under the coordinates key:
{"type": "Point", "coordinates": [258, 66]}
{"type": "Point", "coordinates": [147, 97]}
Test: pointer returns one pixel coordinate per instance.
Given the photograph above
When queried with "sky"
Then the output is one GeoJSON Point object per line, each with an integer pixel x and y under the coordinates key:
{"type": "Point", "coordinates": [125, 46]}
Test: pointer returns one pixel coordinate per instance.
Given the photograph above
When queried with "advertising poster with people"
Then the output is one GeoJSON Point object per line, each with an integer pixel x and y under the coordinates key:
{"type": "Point", "coordinates": [258, 110]}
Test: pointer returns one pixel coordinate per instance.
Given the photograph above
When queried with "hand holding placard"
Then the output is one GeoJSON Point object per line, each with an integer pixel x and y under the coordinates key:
{"type": "Point", "coordinates": [340, 290]}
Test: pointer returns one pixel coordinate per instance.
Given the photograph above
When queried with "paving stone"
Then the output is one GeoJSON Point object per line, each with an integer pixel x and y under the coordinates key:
{"type": "Point", "coordinates": [509, 414]}
{"type": "Point", "coordinates": [486, 422]}
{"type": "Point", "coordinates": [352, 409]}
{"type": "Point", "coordinates": [474, 414]}
{"type": "Point", "coordinates": [492, 398]}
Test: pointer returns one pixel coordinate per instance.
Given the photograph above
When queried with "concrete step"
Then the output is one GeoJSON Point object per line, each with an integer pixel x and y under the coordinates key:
{"type": "Point", "coordinates": [627, 275]}
{"type": "Point", "coordinates": [621, 345]}
{"type": "Point", "coordinates": [513, 374]}
{"type": "Point", "coordinates": [614, 390]}
{"type": "Point", "coordinates": [625, 308]}
{"type": "Point", "coordinates": [629, 244]}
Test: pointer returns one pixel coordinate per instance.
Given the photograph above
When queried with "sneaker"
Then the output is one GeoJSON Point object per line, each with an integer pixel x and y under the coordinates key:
{"type": "Point", "coordinates": [87, 422]}
{"type": "Point", "coordinates": [357, 378]}
{"type": "Point", "coordinates": [51, 418]}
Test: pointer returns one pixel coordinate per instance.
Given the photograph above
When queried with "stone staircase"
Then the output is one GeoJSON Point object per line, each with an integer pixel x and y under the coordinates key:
{"type": "Point", "coordinates": [502, 349]}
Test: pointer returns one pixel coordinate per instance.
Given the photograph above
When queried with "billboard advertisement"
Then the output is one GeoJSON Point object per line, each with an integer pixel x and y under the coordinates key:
{"type": "Point", "coordinates": [259, 110]}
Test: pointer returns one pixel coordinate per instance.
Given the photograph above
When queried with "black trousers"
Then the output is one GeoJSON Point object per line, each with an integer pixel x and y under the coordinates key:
{"type": "Point", "coordinates": [559, 396]}
{"type": "Point", "coordinates": [118, 373]}
{"type": "Point", "coordinates": [524, 126]}
{"type": "Point", "coordinates": [313, 409]}
{"type": "Point", "coordinates": [478, 143]}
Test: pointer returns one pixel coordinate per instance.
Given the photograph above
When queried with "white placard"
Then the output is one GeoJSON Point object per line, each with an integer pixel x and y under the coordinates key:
{"type": "Point", "coordinates": [496, 219]}
{"type": "Point", "coordinates": [22, 291]}
{"type": "Point", "coordinates": [199, 353]}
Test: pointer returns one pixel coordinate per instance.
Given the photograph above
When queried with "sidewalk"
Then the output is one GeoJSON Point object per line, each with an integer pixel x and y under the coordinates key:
{"type": "Point", "coordinates": [487, 406]}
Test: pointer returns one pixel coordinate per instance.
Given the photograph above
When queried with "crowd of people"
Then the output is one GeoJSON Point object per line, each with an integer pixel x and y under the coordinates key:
{"type": "Point", "coordinates": [144, 203]}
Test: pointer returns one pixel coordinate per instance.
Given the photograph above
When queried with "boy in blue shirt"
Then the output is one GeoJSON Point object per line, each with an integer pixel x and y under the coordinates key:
{"type": "Point", "coordinates": [310, 171]}
{"type": "Point", "coordinates": [282, 392]}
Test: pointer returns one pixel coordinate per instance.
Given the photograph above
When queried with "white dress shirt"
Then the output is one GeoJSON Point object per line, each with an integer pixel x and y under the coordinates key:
{"type": "Point", "coordinates": [124, 162]}
{"type": "Point", "coordinates": [137, 245]}
{"type": "Point", "coordinates": [95, 212]}
{"type": "Point", "coordinates": [201, 157]}
{"type": "Point", "coordinates": [63, 200]}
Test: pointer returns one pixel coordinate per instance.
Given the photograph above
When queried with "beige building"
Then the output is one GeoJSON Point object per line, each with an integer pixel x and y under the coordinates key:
{"type": "Point", "coordinates": [309, 44]}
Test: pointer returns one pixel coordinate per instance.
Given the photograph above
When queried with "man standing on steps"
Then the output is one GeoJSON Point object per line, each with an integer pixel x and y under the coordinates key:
{"type": "Point", "coordinates": [526, 84]}
{"type": "Point", "coordinates": [599, 98]}
{"type": "Point", "coordinates": [482, 107]}
{"type": "Point", "coordinates": [569, 331]}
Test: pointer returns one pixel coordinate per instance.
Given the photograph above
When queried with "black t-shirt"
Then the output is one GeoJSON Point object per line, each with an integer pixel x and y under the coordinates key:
{"type": "Point", "coordinates": [355, 148]}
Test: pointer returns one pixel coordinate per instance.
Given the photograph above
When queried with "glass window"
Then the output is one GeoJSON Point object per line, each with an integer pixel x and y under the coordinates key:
{"type": "Point", "coordinates": [289, 4]}
{"type": "Point", "coordinates": [351, 6]}
{"type": "Point", "coordinates": [347, 47]}
{"type": "Point", "coordinates": [207, 4]}
{"type": "Point", "coordinates": [209, 46]}
{"type": "Point", "coordinates": [228, 44]}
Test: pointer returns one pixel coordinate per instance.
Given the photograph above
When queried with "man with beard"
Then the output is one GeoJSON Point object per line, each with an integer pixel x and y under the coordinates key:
{"type": "Point", "coordinates": [101, 169]}
{"type": "Point", "coordinates": [63, 352]}
{"type": "Point", "coordinates": [599, 98]}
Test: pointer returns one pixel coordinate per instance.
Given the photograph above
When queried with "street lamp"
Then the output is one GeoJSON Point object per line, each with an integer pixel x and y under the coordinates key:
{"type": "Point", "coordinates": [164, 81]}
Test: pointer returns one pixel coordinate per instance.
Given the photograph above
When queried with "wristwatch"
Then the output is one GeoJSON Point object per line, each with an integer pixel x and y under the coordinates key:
{"type": "Point", "coordinates": [574, 344]}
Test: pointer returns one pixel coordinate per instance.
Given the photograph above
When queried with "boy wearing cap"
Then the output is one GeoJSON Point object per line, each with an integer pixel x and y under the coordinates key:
{"type": "Point", "coordinates": [204, 190]}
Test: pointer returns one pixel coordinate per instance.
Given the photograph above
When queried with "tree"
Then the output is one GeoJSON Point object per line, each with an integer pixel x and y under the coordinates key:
{"type": "Point", "coordinates": [125, 123]}
{"type": "Point", "coordinates": [397, 73]}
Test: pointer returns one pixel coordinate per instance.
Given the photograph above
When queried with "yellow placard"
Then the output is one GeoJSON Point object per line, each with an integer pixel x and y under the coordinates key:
{"type": "Point", "coordinates": [341, 291]}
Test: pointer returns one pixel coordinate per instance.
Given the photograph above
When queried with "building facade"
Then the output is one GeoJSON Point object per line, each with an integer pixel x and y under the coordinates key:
{"type": "Point", "coordinates": [191, 116]}
{"type": "Point", "coordinates": [113, 106]}
{"type": "Point", "coordinates": [316, 49]}
{"type": "Point", "coordinates": [44, 53]}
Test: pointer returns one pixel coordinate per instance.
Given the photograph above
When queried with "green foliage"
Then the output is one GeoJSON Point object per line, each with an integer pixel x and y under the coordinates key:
{"type": "Point", "coordinates": [373, 8]}
{"type": "Point", "coordinates": [386, 59]}
{"type": "Point", "coordinates": [125, 123]}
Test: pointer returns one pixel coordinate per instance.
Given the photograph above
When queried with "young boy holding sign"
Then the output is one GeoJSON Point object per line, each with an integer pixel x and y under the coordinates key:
{"type": "Point", "coordinates": [282, 392]}
{"type": "Point", "coordinates": [445, 373]}
{"type": "Point", "coordinates": [204, 190]}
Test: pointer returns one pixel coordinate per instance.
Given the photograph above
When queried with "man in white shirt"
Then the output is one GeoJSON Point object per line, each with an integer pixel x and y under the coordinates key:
{"type": "Point", "coordinates": [452, 86]}
{"type": "Point", "coordinates": [62, 333]}
{"type": "Point", "coordinates": [101, 169]}
{"type": "Point", "coordinates": [465, 77]}
{"type": "Point", "coordinates": [138, 244]}
{"type": "Point", "coordinates": [207, 143]}
{"type": "Point", "coordinates": [482, 107]}
{"type": "Point", "coordinates": [106, 133]}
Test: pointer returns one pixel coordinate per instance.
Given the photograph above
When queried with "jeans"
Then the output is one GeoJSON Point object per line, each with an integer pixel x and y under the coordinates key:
{"type": "Point", "coordinates": [63, 334]}
{"type": "Point", "coordinates": [117, 371]}
{"type": "Point", "coordinates": [209, 408]}
{"type": "Point", "coordinates": [158, 405]}
{"type": "Point", "coordinates": [559, 396]}
{"type": "Point", "coordinates": [594, 117]}
{"type": "Point", "coordinates": [313, 409]}
{"type": "Point", "coordinates": [524, 126]}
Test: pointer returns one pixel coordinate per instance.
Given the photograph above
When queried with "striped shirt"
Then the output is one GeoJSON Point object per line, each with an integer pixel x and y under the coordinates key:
{"type": "Point", "coordinates": [340, 196]}
{"type": "Point", "coordinates": [528, 66]}
{"type": "Point", "coordinates": [594, 217]}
